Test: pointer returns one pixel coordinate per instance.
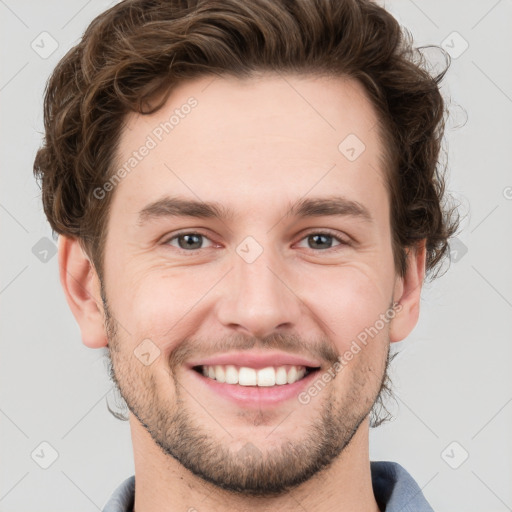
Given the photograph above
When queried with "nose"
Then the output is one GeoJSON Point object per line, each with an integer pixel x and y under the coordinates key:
{"type": "Point", "coordinates": [258, 297]}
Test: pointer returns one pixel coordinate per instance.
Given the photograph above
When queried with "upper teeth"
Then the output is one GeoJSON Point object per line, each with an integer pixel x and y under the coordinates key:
{"type": "Point", "coordinates": [245, 376]}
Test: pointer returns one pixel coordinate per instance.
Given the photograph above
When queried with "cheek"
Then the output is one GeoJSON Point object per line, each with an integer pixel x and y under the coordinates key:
{"type": "Point", "coordinates": [161, 303]}
{"type": "Point", "coordinates": [350, 301]}
{"type": "Point", "coordinates": [156, 303]}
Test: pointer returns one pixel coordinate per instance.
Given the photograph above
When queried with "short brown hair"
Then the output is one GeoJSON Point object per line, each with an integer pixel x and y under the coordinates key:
{"type": "Point", "coordinates": [139, 49]}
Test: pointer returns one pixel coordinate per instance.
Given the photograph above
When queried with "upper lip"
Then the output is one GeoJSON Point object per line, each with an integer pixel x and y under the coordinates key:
{"type": "Point", "coordinates": [256, 360]}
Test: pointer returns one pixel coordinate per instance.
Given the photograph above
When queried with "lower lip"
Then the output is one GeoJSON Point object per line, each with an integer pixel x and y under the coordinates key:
{"type": "Point", "coordinates": [256, 395]}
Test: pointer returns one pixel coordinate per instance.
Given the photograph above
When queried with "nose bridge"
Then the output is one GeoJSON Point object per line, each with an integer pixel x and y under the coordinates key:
{"type": "Point", "coordinates": [257, 298]}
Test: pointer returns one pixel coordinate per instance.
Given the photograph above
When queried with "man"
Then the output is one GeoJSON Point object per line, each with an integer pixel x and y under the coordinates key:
{"type": "Point", "coordinates": [248, 201]}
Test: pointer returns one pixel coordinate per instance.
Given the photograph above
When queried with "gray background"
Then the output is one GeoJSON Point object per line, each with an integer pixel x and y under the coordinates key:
{"type": "Point", "coordinates": [452, 376]}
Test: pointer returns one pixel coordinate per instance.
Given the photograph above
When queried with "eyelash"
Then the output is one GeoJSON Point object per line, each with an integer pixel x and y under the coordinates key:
{"type": "Point", "coordinates": [327, 232]}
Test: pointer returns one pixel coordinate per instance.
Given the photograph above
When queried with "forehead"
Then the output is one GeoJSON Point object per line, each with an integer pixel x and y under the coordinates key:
{"type": "Point", "coordinates": [271, 137]}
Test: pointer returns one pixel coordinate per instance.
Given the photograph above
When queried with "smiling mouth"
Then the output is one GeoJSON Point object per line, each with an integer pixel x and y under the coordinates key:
{"type": "Point", "coordinates": [262, 377]}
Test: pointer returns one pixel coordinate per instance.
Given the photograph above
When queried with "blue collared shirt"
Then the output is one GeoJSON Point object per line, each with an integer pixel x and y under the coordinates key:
{"type": "Point", "coordinates": [394, 488]}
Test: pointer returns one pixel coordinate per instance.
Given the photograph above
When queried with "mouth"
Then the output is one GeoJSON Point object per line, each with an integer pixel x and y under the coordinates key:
{"type": "Point", "coordinates": [256, 378]}
{"type": "Point", "coordinates": [253, 388]}
{"type": "Point", "coordinates": [270, 376]}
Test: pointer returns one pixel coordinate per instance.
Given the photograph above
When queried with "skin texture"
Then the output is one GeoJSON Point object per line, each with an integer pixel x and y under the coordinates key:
{"type": "Point", "coordinates": [256, 146]}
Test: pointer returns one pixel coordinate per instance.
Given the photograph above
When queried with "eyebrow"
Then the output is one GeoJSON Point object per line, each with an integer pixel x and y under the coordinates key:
{"type": "Point", "coordinates": [311, 207]}
{"type": "Point", "coordinates": [330, 206]}
{"type": "Point", "coordinates": [178, 207]}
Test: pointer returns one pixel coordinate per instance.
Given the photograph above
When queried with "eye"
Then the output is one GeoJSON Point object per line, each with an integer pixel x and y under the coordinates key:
{"type": "Point", "coordinates": [323, 241]}
{"type": "Point", "coordinates": [188, 241]}
{"type": "Point", "coordinates": [193, 241]}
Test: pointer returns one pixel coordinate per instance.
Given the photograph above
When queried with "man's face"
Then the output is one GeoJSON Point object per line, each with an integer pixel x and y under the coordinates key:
{"type": "Point", "coordinates": [269, 279]}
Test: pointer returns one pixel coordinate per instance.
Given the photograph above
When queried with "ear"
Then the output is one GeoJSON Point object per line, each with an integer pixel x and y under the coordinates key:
{"type": "Point", "coordinates": [81, 286]}
{"type": "Point", "coordinates": [407, 293]}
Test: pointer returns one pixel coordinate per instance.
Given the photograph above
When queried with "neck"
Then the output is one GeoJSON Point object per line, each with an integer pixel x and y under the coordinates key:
{"type": "Point", "coordinates": [162, 483]}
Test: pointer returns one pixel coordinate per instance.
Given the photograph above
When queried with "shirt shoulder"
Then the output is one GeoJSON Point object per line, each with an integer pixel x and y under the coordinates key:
{"type": "Point", "coordinates": [122, 498]}
{"type": "Point", "coordinates": [395, 490]}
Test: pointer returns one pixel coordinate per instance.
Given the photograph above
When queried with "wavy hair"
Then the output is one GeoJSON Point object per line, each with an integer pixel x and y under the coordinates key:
{"type": "Point", "coordinates": [140, 49]}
